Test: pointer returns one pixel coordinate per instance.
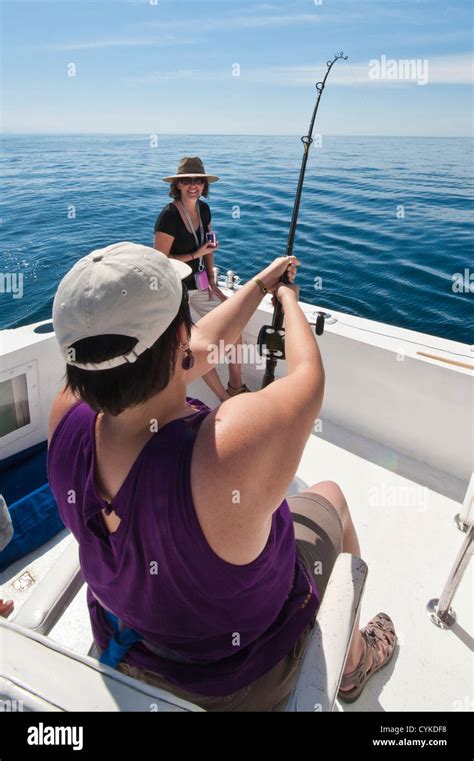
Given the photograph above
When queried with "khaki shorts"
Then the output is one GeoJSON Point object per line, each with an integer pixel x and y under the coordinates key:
{"type": "Point", "coordinates": [318, 531]}
{"type": "Point", "coordinates": [200, 304]}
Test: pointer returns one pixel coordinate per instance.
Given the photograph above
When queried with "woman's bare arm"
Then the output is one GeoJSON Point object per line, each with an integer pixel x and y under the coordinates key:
{"type": "Point", "coordinates": [252, 443]}
{"type": "Point", "coordinates": [163, 242]}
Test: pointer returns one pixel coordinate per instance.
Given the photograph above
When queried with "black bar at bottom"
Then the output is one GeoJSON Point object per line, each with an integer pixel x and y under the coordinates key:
{"type": "Point", "coordinates": [146, 735]}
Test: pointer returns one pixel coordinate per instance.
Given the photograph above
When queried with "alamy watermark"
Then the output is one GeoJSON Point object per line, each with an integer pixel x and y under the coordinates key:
{"type": "Point", "coordinates": [47, 735]}
{"type": "Point", "coordinates": [12, 282]}
{"type": "Point", "coordinates": [408, 69]}
{"type": "Point", "coordinates": [463, 282]}
{"type": "Point", "coordinates": [242, 354]}
{"type": "Point", "coordinates": [383, 495]}
{"type": "Point", "coordinates": [8, 705]}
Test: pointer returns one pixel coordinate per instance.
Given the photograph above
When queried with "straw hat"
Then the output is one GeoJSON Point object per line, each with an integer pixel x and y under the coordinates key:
{"type": "Point", "coordinates": [191, 167]}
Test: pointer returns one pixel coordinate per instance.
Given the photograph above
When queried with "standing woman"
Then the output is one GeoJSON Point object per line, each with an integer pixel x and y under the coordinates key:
{"type": "Point", "coordinates": [180, 233]}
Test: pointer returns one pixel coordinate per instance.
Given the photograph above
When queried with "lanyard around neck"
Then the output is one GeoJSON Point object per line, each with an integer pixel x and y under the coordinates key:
{"type": "Point", "coordinates": [201, 229]}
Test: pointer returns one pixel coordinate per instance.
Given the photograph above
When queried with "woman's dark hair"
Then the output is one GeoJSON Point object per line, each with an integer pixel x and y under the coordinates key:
{"type": "Point", "coordinates": [176, 193]}
{"type": "Point", "coordinates": [130, 384]}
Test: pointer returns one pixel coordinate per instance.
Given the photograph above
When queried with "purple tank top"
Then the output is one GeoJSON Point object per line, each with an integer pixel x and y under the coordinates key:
{"type": "Point", "coordinates": [223, 625]}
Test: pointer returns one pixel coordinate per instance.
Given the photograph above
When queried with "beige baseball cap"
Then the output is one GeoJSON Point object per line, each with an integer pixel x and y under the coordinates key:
{"type": "Point", "coordinates": [124, 289]}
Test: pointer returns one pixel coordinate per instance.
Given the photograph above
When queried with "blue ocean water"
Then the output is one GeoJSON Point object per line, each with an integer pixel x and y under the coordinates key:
{"type": "Point", "coordinates": [385, 222]}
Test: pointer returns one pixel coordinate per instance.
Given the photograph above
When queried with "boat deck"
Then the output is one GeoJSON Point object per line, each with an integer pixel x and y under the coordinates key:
{"type": "Point", "coordinates": [404, 515]}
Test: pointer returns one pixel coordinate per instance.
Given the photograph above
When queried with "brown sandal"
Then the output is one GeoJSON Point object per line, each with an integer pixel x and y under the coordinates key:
{"type": "Point", "coordinates": [236, 391]}
{"type": "Point", "coordinates": [380, 630]}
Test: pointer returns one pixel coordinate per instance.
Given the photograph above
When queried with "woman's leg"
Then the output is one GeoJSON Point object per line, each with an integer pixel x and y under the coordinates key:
{"type": "Point", "coordinates": [214, 382]}
{"type": "Point", "coordinates": [200, 305]}
{"type": "Point", "coordinates": [350, 543]}
{"type": "Point", "coordinates": [235, 375]}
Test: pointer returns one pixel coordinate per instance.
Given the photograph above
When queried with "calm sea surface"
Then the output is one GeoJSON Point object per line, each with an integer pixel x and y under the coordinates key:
{"type": "Point", "coordinates": [385, 222]}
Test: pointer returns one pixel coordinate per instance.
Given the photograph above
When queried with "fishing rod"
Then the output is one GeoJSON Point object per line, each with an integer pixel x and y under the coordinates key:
{"type": "Point", "coordinates": [271, 338]}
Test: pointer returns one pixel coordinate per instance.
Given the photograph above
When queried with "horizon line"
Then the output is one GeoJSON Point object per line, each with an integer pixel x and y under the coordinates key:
{"type": "Point", "coordinates": [227, 134]}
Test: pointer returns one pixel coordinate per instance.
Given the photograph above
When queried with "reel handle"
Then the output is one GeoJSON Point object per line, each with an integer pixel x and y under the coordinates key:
{"type": "Point", "coordinates": [320, 323]}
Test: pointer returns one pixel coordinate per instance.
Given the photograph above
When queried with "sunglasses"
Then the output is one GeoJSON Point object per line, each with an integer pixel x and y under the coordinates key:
{"type": "Point", "coordinates": [192, 181]}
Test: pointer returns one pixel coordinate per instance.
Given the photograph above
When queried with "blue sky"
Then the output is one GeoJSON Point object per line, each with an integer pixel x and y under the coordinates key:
{"type": "Point", "coordinates": [166, 66]}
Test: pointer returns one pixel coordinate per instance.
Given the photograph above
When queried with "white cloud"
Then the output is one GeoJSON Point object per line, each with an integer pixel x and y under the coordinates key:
{"type": "Point", "coordinates": [249, 21]}
{"type": "Point", "coordinates": [267, 7]}
{"type": "Point", "coordinates": [451, 69]}
{"type": "Point", "coordinates": [118, 43]}
{"type": "Point", "coordinates": [188, 75]}
{"type": "Point", "coordinates": [210, 25]}
{"type": "Point", "coordinates": [164, 76]}
{"type": "Point", "coordinates": [448, 69]}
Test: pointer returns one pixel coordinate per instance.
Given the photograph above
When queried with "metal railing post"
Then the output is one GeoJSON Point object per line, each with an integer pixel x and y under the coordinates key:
{"type": "Point", "coordinates": [465, 518]}
{"type": "Point", "coordinates": [440, 610]}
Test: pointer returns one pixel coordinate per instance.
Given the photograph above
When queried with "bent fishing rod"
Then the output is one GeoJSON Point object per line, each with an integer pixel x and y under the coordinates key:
{"type": "Point", "coordinates": [271, 338]}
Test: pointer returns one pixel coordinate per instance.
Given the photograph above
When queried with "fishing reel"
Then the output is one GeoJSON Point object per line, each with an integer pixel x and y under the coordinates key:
{"type": "Point", "coordinates": [271, 342]}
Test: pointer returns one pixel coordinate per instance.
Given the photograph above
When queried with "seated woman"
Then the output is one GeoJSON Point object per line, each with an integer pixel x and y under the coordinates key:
{"type": "Point", "coordinates": [195, 581]}
{"type": "Point", "coordinates": [180, 232]}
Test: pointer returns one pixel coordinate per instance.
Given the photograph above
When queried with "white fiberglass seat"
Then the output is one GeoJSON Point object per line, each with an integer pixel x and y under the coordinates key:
{"type": "Point", "coordinates": [47, 676]}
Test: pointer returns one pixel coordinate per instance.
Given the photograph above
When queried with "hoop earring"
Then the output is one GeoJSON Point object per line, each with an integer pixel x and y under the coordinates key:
{"type": "Point", "coordinates": [188, 360]}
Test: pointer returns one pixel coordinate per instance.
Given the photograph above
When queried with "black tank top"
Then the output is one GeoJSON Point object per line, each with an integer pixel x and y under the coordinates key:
{"type": "Point", "coordinates": [171, 222]}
